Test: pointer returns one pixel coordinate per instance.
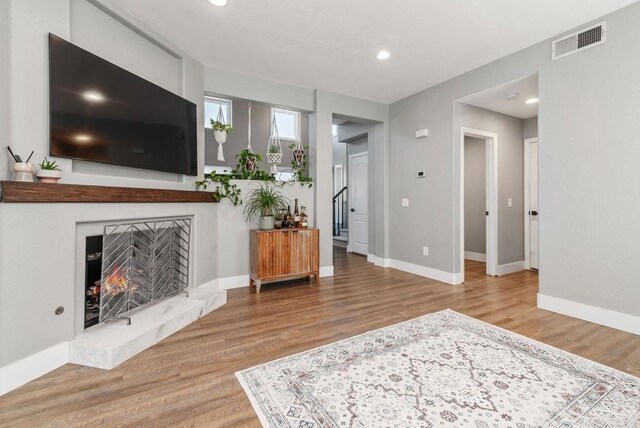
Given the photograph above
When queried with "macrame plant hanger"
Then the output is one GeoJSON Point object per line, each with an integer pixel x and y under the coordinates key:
{"type": "Point", "coordinates": [221, 136]}
{"type": "Point", "coordinates": [251, 162]}
{"type": "Point", "coordinates": [274, 148]}
{"type": "Point", "coordinates": [298, 148]}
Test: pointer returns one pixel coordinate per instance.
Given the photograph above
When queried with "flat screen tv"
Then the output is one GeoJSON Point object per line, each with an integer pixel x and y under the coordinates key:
{"type": "Point", "coordinates": [100, 112]}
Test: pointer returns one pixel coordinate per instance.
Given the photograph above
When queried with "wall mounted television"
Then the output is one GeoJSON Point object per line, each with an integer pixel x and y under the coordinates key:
{"type": "Point", "coordinates": [100, 112]}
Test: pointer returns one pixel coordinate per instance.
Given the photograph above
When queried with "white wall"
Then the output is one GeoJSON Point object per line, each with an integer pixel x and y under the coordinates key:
{"type": "Point", "coordinates": [588, 127]}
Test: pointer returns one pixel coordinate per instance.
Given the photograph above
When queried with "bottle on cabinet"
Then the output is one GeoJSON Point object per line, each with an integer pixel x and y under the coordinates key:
{"type": "Point", "coordinates": [304, 220]}
{"type": "Point", "coordinates": [296, 215]}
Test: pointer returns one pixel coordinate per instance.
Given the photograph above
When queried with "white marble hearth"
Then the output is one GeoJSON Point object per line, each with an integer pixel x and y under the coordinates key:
{"type": "Point", "coordinates": [109, 344]}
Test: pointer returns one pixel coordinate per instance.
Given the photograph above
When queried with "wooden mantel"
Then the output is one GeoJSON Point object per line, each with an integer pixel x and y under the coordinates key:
{"type": "Point", "coordinates": [20, 192]}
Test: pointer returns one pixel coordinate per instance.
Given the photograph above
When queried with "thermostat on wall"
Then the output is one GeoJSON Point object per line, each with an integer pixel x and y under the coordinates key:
{"type": "Point", "coordinates": [421, 174]}
{"type": "Point", "coordinates": [421, 133]}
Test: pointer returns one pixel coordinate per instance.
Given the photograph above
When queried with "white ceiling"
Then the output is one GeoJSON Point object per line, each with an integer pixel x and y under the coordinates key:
{"type": "Point", "coordinates": [495, 98]}
{"type": "Point", "coordinates": [331, 44]}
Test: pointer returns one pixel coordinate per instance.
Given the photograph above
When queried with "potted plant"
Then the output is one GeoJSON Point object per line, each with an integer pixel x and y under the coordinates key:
{"type": "Point", "coordinates": [220, 130]}
{"type": "Point", "coordinates": [249, 159]}
{"type": "Point", "coordinates": [265, 201]}
{"type": "Point", "coordinates": [49, 171]}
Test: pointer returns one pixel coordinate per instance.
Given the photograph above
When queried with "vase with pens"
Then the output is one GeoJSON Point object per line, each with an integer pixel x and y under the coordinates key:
{"type": "Point", "coordinates": [22, 170]}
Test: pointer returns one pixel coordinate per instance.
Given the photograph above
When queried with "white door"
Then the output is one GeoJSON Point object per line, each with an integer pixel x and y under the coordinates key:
{"type": "Point", "coordinates": [359, 203]}
{"type": "Point", "coordinates": [531, 215]}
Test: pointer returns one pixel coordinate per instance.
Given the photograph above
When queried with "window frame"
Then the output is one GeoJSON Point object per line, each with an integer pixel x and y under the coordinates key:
{"type": "Point", "coordinates": [220, 100]}
{"type": "Point", "coordinates": [297, 119]}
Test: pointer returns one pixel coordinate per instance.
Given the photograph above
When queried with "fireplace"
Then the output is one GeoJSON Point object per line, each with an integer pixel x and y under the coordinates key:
{"type": "Point", "coordinates": [134, 264]}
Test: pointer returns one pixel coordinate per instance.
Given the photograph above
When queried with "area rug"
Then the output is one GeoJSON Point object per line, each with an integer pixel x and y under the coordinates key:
{"type": "Point", "coordinates": [442, 369]}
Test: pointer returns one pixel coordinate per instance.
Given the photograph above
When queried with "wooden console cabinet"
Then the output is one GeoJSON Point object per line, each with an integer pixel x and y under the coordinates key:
{"type": "Point", "coordinates": [281, 254]}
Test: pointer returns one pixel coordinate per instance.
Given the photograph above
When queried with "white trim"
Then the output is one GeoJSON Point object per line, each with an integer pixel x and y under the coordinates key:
{"type": "Point", "coordinates": [510, 268]}
{"type": "Point", "coordinates": [231, 282]}
{"type": "Point", "coordinates": [527, 219]}
{"type": "Point", "coordinates": [427, 272]}
{"type": "Point", "coordinates": [326, 271]}
{"type": "Point", "coordinates": [478, 257]}
{"type": "Point", "coordinates": [491, 139]}
{"type": "Point", "coordinates": [382, 262]}
{"type": "Point", "coordinates": [20, 372]}
{"type": "Point", "coordinates": [371, 258]}
{"type": "Point", "coordinates": [606, 317]}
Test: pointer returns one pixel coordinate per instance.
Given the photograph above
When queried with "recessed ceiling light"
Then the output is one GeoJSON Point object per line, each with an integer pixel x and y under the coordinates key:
{"type": "Point", "coordinates": [93, 96]}
{"type": "Point", "coordinates": [383, 55]}
{"type": "Point", "coordinates": [219, 3]}
{"type": "Point", "coordinates": [512, 96]}
{"type": "Point", "coordinates": [531, 101]}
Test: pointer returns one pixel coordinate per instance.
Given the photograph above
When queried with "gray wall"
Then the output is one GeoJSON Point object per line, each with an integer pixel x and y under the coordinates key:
{"type": "Point", "coordinates": [588, 128]}
{"type": "Point", "coordinates": [510, 176]}
{"type": "Point", "coordinates": [260, 134]}
{"type": "Point", "coordinates": [33, 279]}
{"type": "Point", "coordinates": [530, 128]}
{"type": "Point", "coordinates": [475, 190]}
{"type": "Point", "coordinates": [4, 90]}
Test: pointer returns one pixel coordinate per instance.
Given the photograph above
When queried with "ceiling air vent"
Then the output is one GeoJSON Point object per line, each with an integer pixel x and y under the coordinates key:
{"type": "Point", "coordinates": [578, 41]}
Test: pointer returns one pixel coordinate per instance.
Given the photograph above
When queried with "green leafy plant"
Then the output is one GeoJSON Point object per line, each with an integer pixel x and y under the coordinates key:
{"type": "Point", "coordinates": [300, 171]}
{"type": "Point", "coordinates": [47, 165]}
{"type": "Point", "coordinates": [266, 200]}
{"type": "Point", "coordinates": [226, 189]}
{"type": "Point", "coordinates": [274, 149]}
{"type": "Point", "coordinates": [219, 126]}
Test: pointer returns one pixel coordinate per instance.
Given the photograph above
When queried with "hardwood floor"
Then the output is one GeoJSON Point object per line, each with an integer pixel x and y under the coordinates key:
{"type": "Point", "coordinates": [188, 379]}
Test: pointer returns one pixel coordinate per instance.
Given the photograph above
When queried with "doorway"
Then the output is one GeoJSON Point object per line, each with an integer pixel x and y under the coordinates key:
{"type": "Point", "coordinates": [531, 222]}
{"type": "Point", "coordinates": [358, 201]}
{"type": "Point", "coordinates": [491, 198]}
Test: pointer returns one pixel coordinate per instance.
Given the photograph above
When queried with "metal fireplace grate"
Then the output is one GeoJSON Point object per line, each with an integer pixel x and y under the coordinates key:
{"type": "Point", "coordinates": [141, 263]}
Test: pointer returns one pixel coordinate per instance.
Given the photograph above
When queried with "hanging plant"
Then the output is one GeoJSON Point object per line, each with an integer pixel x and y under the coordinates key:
{"type": "Point", "coordinates": [299, 169]}
{"type": "Point", "coordinates": [274, 148]}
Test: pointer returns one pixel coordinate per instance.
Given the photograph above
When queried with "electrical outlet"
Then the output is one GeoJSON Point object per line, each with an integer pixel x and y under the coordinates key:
{"type": "Point", "coordinates": [405, 202]}
{"type": "Point", "coordinates": [425, 251]}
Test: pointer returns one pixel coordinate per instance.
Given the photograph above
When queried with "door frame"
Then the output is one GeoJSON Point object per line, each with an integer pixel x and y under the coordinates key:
{"type": "Point", "coordinates": [491, 139]}
{"type": "Point", "coordinates": [527, 219]}
{"type": "Point", "coordinates": [349, 198]}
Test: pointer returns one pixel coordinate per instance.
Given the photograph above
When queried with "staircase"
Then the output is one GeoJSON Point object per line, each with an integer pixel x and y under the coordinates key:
{"type": "Point", "coordinates": [340, 229]}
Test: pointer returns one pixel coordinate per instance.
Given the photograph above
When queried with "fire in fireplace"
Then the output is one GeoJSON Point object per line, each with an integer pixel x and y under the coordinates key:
{"type": "Point", "coordinates": [134, 264]}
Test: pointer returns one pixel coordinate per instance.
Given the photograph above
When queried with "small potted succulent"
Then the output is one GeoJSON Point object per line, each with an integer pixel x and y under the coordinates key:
{"type": "Point", "coordinates": [49, 172]}
{"type": "Point", "coordinates": [265, 201]}
{"type": "Point", "coordinates": [220, 130]}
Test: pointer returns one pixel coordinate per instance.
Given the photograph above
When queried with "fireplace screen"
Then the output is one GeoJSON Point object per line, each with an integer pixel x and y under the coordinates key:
{"type": "Point", "coordinates": [141, 263]}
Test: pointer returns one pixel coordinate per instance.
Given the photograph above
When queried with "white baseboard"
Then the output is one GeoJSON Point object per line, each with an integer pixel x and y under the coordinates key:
{"type": "Point", "coordinates": [20, 372]}
{"type": "Point", "coordinates": [606, 317]}
{"type": "Point", "coordinates": [427, 272]}
{"type": "Point", "coordinates": [231, 282]}
{"type": "Point", "coordinates": [381, 262]}
{"type": "Point", "coordinates": [371, 258]}
{"type": "Point", "coordinates": [478, 257]}
{"type": "Point", "coordinates": [326, 271]}
{"type": "Point", "coordinates": [510, 268]}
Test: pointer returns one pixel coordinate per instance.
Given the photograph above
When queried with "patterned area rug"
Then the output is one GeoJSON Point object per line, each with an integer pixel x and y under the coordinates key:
{"type": "Point", "coordinates": [443, 369]}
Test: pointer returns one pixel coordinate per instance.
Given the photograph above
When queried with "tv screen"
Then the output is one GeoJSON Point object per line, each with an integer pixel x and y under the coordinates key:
{"type": "Point", "coordinates": [102, 113]}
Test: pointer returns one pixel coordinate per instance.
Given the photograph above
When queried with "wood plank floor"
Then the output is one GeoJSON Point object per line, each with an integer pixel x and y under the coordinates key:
{"type": "Point", "coordinates": [188, 379]}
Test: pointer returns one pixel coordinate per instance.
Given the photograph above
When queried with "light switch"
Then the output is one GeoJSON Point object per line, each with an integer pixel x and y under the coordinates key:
{"type": "Point", "coordinates": [509, 203]}
{"type": "Point", "coordinates": [405, 202]}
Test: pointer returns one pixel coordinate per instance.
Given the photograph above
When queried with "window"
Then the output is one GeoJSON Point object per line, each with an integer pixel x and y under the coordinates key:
{"type": "Point", "coordinates": [287, 122]}
{"type": "Point", "coordinates": [211, 107]}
